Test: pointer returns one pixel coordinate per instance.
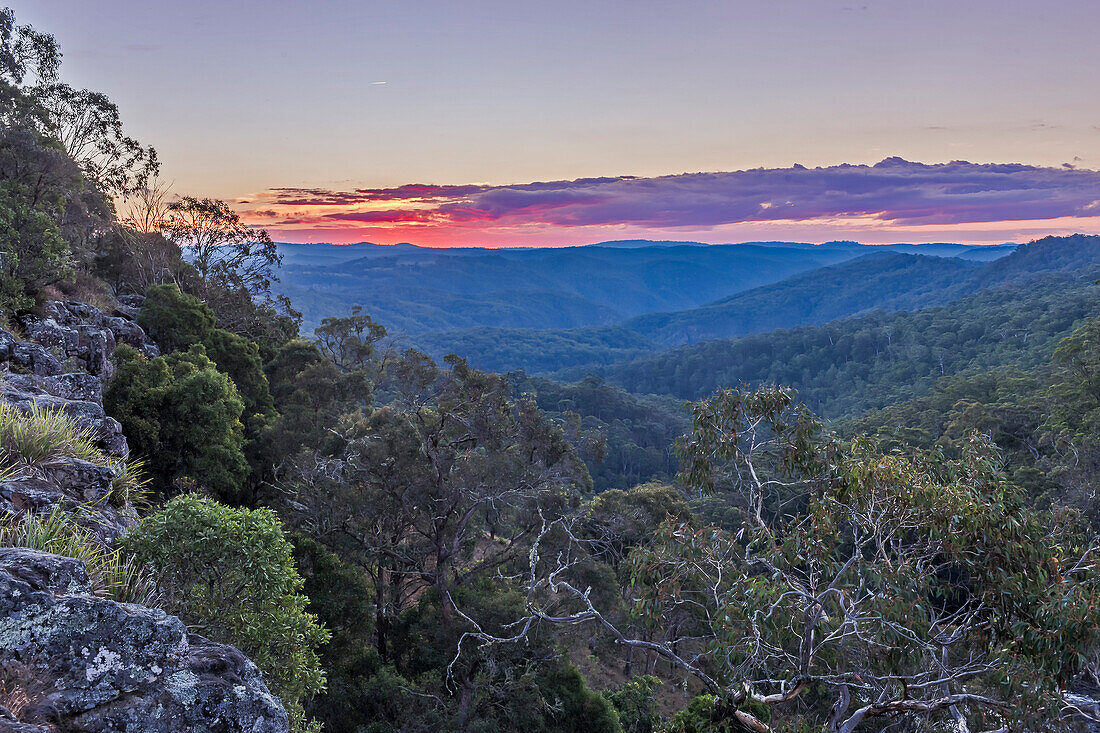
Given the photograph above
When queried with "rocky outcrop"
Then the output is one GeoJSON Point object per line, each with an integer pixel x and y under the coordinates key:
{"type": "Point", "coordinates": [77, 394]}
{"type": "Point", "coordinates": [70, 660]}
{"type": "Point", "coordinates": [83, 663]}
{"type": "Point", "coordinates": [81, 333]}
{"type": "Point", "coordinates": [68, 482]}
{"type": "Point", "coordinates": [77, 336]}
{"type": "Point", "coordinates": [129, 306]}
{"type": "Point", "coordinates": [65, 359]}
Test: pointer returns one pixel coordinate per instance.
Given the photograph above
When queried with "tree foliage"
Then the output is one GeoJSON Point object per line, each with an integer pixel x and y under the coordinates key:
{"type": "Point", "coordinates": [62, 157]}
{"type": "Point", "coordinates": [25, 54]}
{"type": "Point", "coordinates": [183, 415]}
{"type": "Point", "coordinates": [351, 342]}
{"type": "Point", "coordinates": [174, 319]}
{"type": "Point", "coordinates": [235, 266]}
{"type": "Point", "coordinates": [89, 127]}
{"type": "Point", "coordinates": [847, 367]}
{"type": "Point", "coordinates": [232, 571]}
{"type": "Point", "coordinates": [33, 253]}
{"type": "Point", "coordinates": [859, 585]}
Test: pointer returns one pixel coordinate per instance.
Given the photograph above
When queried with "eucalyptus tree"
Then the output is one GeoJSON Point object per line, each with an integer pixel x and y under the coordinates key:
{"type": "Point", "coordinates": [859, 586]}
{"type": "Point", "coordinates": [223, 250]}
{"type": "Point", "coordinates": [235, 266]}
{"type": "Point", "coordinates": [89, 127]}
{"type": "Point", "coordinates": [442, 486]}
{"type": "Point", "coordinates": [27, 57]}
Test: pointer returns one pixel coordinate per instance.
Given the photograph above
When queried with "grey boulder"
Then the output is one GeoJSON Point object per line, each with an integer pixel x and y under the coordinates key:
{"type": "Point", "coordinates": [91, 664]}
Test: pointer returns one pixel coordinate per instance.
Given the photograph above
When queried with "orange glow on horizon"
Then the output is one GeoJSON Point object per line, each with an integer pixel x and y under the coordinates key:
{"type": "Point", "coordinates": [867, 231]}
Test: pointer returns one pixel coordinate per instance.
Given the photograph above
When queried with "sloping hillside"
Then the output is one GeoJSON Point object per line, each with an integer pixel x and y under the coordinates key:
{"type": "Point", "coordinates": [884, 281]}
{"type": "Point", "coordinates": [887, 281]}
{"type": "Point", "coordinates": [846, 367]}
{"type": "Point", "coordinates": [415, 290]}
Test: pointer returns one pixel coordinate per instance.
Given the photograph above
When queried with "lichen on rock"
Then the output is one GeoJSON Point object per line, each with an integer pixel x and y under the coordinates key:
{"type": "Point", "coordinates": [106, 666]}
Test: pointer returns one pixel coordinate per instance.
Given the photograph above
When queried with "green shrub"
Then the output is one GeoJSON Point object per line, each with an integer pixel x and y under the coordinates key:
{"type": "Point", "coordinates": [183, 415]}
{"type": "Point", "coordinates": [33, 253]}
{"type": "Point", "coordinates": [700, 716]}
{"type": "Point", "coordinates": [232, 573]}
{"type": "Point", "coordinates": [174, 319]}
{"type": "Point", "coordinates": [635, 704]}
{"type": "Point", "coordinates": [571, 705]}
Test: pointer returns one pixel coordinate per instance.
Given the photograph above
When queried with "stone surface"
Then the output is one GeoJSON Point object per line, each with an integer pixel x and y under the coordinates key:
{"type": "Point", "coordinates": [7, 343]}
{"type": "Point", "coordinates": [11, 726]}
{"type": "Point", "coordinates": [77, 332]}
{"type": "Point", "coordinates": [34, 358]}
{"type": "Point", "coordinates": [32, 373]}
{"type": "Point", "coordinates": [90, 664]}
{"type": "Point", "coordinates": [129, 306]}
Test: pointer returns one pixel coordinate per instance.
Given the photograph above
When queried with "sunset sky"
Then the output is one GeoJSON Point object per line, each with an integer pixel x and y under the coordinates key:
{"type": "Point", "coordinates": [501, 122]}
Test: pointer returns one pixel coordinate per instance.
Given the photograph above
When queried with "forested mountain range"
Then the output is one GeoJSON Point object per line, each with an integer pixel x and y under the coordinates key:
{"type": "Point", "coordinates": [879, 281]}
{"type": "Point", "coordinates": [855, 364]}
{"type": "Point", "coordinates": [842, 368]}
{"type": "Point", "coordinates": [415, 290]}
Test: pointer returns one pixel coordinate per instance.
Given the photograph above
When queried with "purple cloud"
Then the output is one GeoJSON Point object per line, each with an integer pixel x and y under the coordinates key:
{"type": "Point", "coordinates": [894, 190]}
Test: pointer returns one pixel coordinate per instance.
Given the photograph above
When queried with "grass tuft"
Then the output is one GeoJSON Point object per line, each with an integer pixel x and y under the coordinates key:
{"type": "Point", "coordinates": [130, 486]}
{"type": "Point", "coordinates": [48, 434]}
{"type": "Point", "coordinates": [43, 435]}
{"type": "Point", "coordinates": [113, 574]}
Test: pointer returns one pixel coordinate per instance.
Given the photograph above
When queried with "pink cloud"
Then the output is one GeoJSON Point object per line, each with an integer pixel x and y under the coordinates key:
{"type": "Point", "coordinates": [894, 192]}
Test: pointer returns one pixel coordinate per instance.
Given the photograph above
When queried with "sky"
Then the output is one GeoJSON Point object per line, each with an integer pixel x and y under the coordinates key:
{"type": "Point", "coordinates": [507, 122]}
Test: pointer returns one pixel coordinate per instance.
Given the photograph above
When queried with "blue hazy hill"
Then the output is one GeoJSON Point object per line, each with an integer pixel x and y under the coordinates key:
{"type": "Point", "coordinates": [881, 281]}
{"type": "Point", "coordinates": [417, 290]}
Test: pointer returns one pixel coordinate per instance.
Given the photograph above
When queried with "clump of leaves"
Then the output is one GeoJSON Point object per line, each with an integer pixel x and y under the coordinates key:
{"type": "Point", "coordinates": [232, 571]}
{"type": "Point", "coordinates": [635, 703]}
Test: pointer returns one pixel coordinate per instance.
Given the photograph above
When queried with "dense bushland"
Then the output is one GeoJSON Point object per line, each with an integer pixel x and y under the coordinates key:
{"type": "Point", "coordinates": [403, 544]}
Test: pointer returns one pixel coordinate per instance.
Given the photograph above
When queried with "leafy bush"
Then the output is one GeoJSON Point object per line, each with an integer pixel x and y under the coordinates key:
{"type": "Point", "coordinates": [183, 415]}
{"type": "Point", "coordinates": [572, 707]}
{"type": "Point", "coordinates": [179, 321]}
{"type": "Point", "coordinates": [174, 319]}
{"type": "Point", "coordinates": [700, 716]}
{"type": "Point", "coordinates": [232, 572]}
{"type": "Point", "coordinates": [33, 253]}
{"type": "Point", "coordinates": [240, 359]}
{"type": "Point", "coordinates": [635, 704]}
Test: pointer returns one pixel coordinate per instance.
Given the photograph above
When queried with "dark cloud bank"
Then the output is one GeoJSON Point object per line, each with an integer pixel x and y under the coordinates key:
{"type": "Point", "coordinates": [894, 190]}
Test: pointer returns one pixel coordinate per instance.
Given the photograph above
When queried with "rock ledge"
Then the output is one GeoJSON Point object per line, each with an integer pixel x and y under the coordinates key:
{"type": "Point", "coordinates": [83, 663]}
